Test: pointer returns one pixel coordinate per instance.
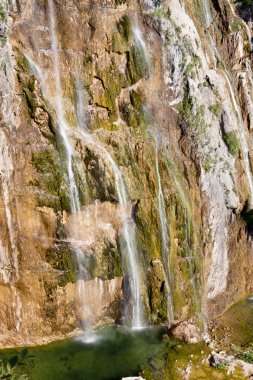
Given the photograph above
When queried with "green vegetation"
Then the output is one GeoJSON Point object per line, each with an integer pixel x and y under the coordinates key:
{"type": "Point", "coordinates": [195, 62]}
{"type": "Point", "coordinates": [246, 356]}
{"type": "Point", "coordinates": [208, 162]}
{"type": "Point", "coordinates": [2, 12]}
{"type": "Point", "coordinates": [222, 365]}
{"type": "Point", "coordinates": [215, 109]}
{"type": "Point", "coordinates": [134, 114]}
{"type": "Point", "coordinates": [50, 178]}
{"type": "Point", "coordinates": [232, 143]}
{"type": "Point", "coordinates": [236, 26]}
{"type": "Point", "coordinates": [61, 258]}
{"type": "Point", "coordinates": [194, 116]}
{"type": "Point", "coordinates": [9, 367]}
{"type": "Point", "coordinates": [3, 21]}
{"type": "Point", "coordinates": [160, 12]}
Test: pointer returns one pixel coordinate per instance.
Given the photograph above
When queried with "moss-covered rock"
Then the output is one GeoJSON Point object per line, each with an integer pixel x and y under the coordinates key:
{"type": "Point", "coordinates": [232, 143]}
{"type": "Point", "coordinates": [108, 265]}
{"type": "Point", "coordinates": [51, 179]}
{"type": "Point", "coordinates": [62, 259]}
{"type": "Point", "coordinates": [134, 113]}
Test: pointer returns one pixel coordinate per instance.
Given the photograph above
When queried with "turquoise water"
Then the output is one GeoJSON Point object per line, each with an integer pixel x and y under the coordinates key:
{"type": "Point", "coordinates": [116, 353]}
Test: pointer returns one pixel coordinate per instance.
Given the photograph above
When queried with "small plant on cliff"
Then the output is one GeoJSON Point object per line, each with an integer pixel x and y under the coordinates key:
{"type": "Point", "coordinates": [215, 109]}
{"type": "Point", "coordinates": [223, 364]}
{"type": "Point", "coordinates": [236, 26]}
{"type": "Point", "coordinates": [194, 116]}
{"type": "Point", "coordinates": [3, 15]}
{"type": "Point", "coordinates": [232, 143]}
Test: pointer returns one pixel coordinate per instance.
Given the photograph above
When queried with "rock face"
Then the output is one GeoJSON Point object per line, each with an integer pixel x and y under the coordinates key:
{"type": "Point", "coordinates": [155, 94]}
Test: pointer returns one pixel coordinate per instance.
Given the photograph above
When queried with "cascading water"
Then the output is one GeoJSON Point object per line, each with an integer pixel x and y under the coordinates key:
{"type": "Point", "coordinates": [140, 43]}
{"type": "Point", "coordinates": [129, 247]}
{"type": "Point", "coordinates": [64, 129]}
{"type": "Point", "coordinates": [231, 7]}
{"type": "Point", "coordinates": [242, 133]}
{"type": "Point", "coordinates": [130, 254]}
{"type": "Point", "coordinates": [243, 139]}
{"type": "Point", "coordinates": [165, 237]}
{"type": "Point", "coordinates": [131, 264]}
{"type": "Point", "coordinates": [38, 73]}
{"type": "Point", "coordinates": [207, 11]}
{"type": "Point", "coordinates": [62, 122]}
{"type": "Point", "coordinates": [244, 23]}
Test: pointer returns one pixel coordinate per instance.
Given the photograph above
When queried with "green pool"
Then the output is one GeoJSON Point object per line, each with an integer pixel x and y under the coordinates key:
{"type": "Point", "coordinates": [113, 353]}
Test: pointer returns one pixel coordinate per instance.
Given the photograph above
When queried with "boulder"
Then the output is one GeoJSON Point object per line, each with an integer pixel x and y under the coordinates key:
{"type": "Point", "coordinates": [187, 331]}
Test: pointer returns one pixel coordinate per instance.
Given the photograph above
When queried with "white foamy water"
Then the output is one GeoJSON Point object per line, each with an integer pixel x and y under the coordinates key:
{"type": "Point", "coordinates": [207, 12]}
{"type": "Point", "coordinates": [38, 73]}
{"type": "Point", "coordinates": [140, 43]}
{"type": "Point", "coordinates": [64, 128]}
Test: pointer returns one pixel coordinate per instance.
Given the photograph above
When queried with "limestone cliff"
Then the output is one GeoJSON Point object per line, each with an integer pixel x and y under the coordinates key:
{"type": "Point", "coordinates": [109, 105]}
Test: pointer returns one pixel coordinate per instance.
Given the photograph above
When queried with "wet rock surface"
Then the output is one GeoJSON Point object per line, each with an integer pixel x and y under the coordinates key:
{"type": "Point", "coordinates": [166, 92]}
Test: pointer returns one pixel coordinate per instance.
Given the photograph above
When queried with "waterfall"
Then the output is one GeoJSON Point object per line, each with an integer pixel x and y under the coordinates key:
{"type": "Point", "coordinates": [140, 43]}
{"type": "Point", "coordinates": [165, 238]}
{"type": "Point", "coordinates": [129, 248]}
{"type": "Point", "coordinates": [242, 133]}
{"type": "Point", "coordinates": [131, 266]}
{"type": "Point", "coordinates": [243, 139]}
{"type": "Point", "coordinates": [62, 122]}
{"type": "Point", "coordinates": [38, 73]}
{"type": "Point", "coordinates": [208, 16]}
{"type": "Point", "coordinates": [79, 103]}
{"type": "Point", "coordinates": [81, 259]}
{"type": "Point", "coordinates": [231, 7]}
{"type": "Point", "coordinates": [244, 23]}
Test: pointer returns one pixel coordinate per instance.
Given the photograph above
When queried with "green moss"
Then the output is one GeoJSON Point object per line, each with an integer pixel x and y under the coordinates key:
{"type": "Point", "coordinates": [232, 143]}
{"type": "Point", "coordinates": [112, 81]}
{"type": "Point", "coordinates": [194, 115]}
{"type": "Point", "coordinates": [22, 63]}
{"type": "Point", "coordinates": [3, 20]}
{"type": "Point", "coordinates": [195, 62]}
{"type": "Point", "coordinates": [236, 26]}
{"type": "Point", "coordinates": [246, 355]}
{"type": "Point", "coordinates": [51, 179]}
{"type": "Point", "coordinates": [136, 65]}
{"type": "Point", "coordinates": [125, 28]}
{"type": "Point", "coordinates": [62, 259]}
{"type": "Point", "coordinates": [208, 162]}
{"type": "Point", "coordinates": [103, 123]}
{"type": "Point", "coordinates": [108, 265]}
{"type": "Point", "coordinates": [215, 109]}
{"type": "Point", "coordinates": [134, 113]}
{"type": "Point", "coordinates": [160, 13]}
